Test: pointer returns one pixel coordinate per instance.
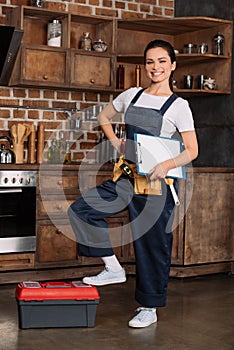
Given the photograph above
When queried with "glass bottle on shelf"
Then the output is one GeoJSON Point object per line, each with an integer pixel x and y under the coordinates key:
{"type": "Point", "coordinates": [51, 152]}
{"type": "Point", "coordinates": [56, 149]}
{"type": "Point", "coordinates": [67, 159]}
{"type": "Point", "coordinates": [86, 42]}
{"type": "Point", "coordinates": [120, 77]}
{"type": "Point", "coordinates": [62, 146]}
{"type": "Point", "coordinates": [138, 75]}
{"type": "Point", "coordinates": [218, 43]}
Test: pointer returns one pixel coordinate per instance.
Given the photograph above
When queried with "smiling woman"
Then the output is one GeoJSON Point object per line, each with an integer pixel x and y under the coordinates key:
{"type": "Point", "coordinates": [160, 64]}
{"type": "Point", "coordinates": [155, 111]}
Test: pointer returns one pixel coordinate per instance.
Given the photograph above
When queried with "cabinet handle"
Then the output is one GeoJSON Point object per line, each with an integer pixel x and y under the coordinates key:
{"type": "Point", "coordinates": [45, 77]}
{"type": "Point", "coordinates": [92, 81]}
{"type": "Point", "coordinates": [58, 232]}
{"type": "Point", "coordinates": [58, 206]}
{"type": "Point", "coordinates": [60, 182]}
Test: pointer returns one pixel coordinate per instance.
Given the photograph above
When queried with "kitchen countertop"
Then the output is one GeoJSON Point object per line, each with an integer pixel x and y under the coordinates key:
{"type": "Point", "coordinates": [105, 167]}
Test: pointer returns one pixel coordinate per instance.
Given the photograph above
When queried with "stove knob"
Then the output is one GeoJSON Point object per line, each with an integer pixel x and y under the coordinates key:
{"type": "Point", "coordinates": [21, 180]}
{"type": "Point", "coordinates": [13, 180]}
{"type": "Point", "coordinates": [5, 180]}
{"type": "Point", "coordinates": [28, 180]}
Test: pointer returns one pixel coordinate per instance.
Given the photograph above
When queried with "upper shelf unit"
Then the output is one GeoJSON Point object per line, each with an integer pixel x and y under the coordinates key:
{"type": "Point", "coordinates": [67, 66]}
{"type": "Point", "coordinates": [34, 22]}
{"type": "Point", "coordinates": [70, 67]}
{"type": "Point", "coordinates": [179, 32]}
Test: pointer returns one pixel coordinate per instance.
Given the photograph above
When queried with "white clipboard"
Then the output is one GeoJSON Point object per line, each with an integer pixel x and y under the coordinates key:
{"type": "Point", "coordinates": [152, 150]}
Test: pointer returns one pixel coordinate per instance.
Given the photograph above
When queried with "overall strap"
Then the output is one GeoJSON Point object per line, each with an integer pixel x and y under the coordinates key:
{"type": "Point", "coordinates": [135, 98]}
{"type": "Point", "coordinates": [164, 107]}
{"type": "Point", "coordinates": [168, 103]}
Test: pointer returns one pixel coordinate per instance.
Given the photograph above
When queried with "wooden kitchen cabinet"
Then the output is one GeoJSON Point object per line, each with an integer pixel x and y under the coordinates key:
{"type": "Point", "coordinates": [203, 236]}
{"type": "Point", "coordinates": [53, 245]}
{"type": "Point", "coordinates": [44, 67]}
{"type": "Point", "coordinates": [126, 40]}
{"type": "Point", "coordinates": [56, 242]}
{"type": "Point", "coordinates": [178, 31]}
{"type": "Point", "coordinates": [34, 21]}
{"type": "Point", "coordinates": [68, 66]}
{"type": "Point", "coordinates": [91, 71]}
{"type": "Point", "coordinates": [203, 240]}
{"type": "Point", "coordinates": [98, 27]}
{"type": "Point", "coordinates": [209, 228]}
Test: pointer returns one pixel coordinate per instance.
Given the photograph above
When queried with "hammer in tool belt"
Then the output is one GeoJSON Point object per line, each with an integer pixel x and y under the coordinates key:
{"type": "Point", "coordinates": [170, 182]}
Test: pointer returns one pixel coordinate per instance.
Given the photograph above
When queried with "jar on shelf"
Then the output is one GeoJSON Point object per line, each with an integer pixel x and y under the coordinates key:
{"type": "Point", "coordinates": [86, 42]}
{"type": "Point", "coordinates": [38, 3]}
{"type": "Point", "coordinates": [99, 45]}
{"type": "Point", "coordinates": [217, 44]}
{"type": "Point", "coordinates": [54, 33]}
{"type": "Point", "coordinates": [190, 48]}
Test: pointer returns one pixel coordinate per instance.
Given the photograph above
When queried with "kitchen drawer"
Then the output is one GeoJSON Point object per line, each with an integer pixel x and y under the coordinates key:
{"type": "Point", "coordinates": [49, 183]}
{"type": "Point", "coordinates": [89, 179]}
{"type": "Point", "coordinates": [54, 205]}
{"type": "Point", "coordinates": [19, 261]}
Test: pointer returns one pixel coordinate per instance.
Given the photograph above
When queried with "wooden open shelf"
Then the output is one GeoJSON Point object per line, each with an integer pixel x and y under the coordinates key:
{"type": "Point", "coordinates": [126, 40]}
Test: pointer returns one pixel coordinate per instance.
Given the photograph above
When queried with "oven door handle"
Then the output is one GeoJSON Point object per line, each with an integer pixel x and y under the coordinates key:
{"type": "Point", "coordinates": [10, 190]}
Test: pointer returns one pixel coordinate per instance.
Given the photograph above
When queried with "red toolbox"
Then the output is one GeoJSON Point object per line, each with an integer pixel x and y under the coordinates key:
{"type": "Point", "coordinates": [56, 304]}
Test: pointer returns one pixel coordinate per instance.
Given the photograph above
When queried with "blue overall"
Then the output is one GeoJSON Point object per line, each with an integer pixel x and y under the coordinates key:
{"type": "Point", "coordinates": [150, 216]}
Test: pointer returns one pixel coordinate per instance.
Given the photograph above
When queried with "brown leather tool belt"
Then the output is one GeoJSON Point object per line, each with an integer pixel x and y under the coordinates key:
{"type": "Point", "coordinates": [142, 183]}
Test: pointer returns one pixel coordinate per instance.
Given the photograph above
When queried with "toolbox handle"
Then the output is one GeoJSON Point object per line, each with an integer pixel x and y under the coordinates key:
{"type": "Point", "coordinates": [56, 285]}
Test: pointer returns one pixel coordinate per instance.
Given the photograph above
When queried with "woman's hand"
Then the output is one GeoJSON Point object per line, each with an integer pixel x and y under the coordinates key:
{"type": "Point", "coordinates": [191, 151]}
{"type": "Point", "coordinates": [104, 118]}
{"type": "Point", "coordinates": [160, 170]}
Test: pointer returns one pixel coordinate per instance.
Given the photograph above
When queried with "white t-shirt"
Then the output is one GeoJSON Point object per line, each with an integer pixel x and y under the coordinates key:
{"type": "Point", "coordinates": [178, 116]}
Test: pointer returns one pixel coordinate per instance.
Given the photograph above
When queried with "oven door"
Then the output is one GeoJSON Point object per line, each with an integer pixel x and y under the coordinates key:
{"type": "Point", "coordinates": [17, 219]}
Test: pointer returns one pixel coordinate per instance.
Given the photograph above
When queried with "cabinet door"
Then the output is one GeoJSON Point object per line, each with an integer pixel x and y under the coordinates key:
{"type": "Point", "coordinates": [91, 71]}
{"type": "Point", "coordinates": [42, 66]}
{"type": "Point", "coordinates": [209, 219]}
{"type": "Point", "coordinates": [55, 243]}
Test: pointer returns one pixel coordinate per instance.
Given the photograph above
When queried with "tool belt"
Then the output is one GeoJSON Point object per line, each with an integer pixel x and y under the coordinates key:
{"type": "Point", "coordinates": [142, 184]}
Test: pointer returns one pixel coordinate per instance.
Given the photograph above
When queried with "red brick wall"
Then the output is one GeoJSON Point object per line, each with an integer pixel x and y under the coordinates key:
{"type": "Point", "coordinates": [54, 121]}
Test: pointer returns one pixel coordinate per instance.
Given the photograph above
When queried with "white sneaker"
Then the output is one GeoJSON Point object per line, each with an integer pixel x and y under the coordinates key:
{"type": "Point", "coordinates": [106, 277]}
{"type": "Point", "coordinates": [144, 318]}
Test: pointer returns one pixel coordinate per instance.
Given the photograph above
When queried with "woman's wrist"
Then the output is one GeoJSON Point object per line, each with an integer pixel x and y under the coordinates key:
{"type": "Point", "coordinates": [168, 165]}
